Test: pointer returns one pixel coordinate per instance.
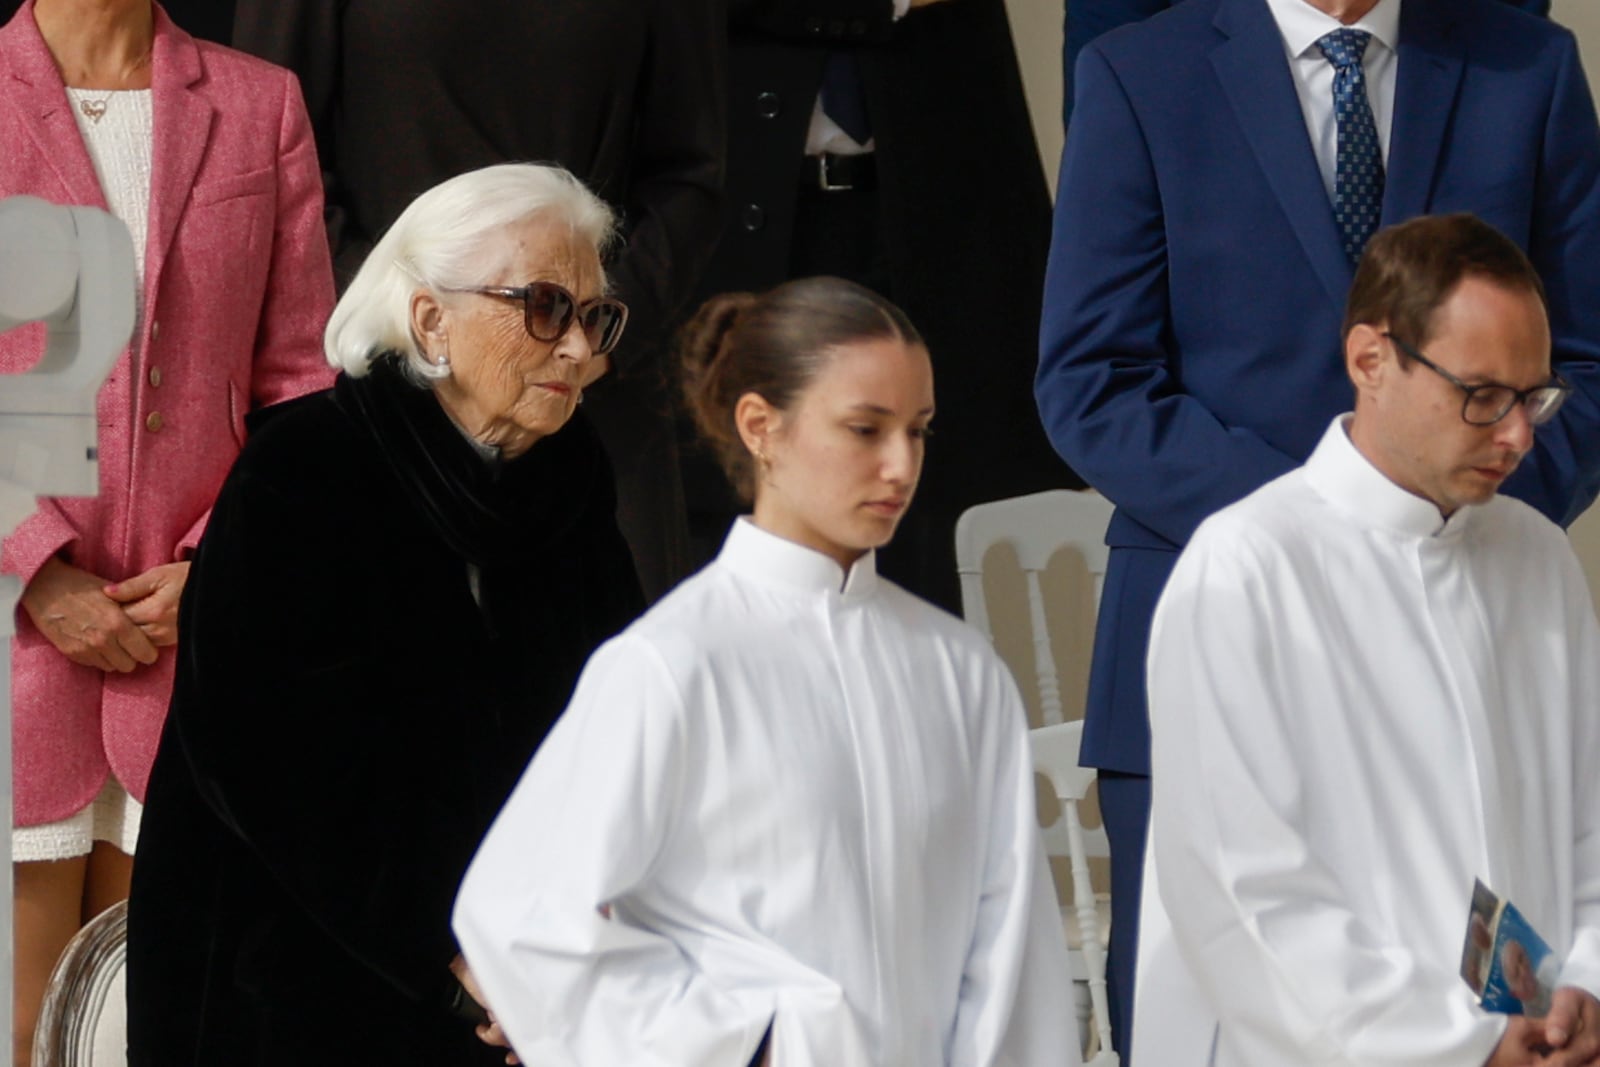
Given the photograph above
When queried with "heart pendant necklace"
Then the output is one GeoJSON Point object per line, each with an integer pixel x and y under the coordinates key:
{"type": "Point", "coordinates": [94, 110]}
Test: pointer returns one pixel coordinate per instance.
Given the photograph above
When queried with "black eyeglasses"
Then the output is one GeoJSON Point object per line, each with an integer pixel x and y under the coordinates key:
{"type": "Point", "coordinates": [1488, 403]}
{"type": "Point", "coordinates": [548, 311]}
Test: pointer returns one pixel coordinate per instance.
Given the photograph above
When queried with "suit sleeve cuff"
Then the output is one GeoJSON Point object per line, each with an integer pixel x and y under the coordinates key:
{"type": "Point", "coordinates": [41, 536]}
{"type": "Point", "coordinates": [191, 539]}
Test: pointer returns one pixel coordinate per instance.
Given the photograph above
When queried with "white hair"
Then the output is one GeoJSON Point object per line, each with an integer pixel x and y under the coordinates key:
{"type": "Point", "coordinates": [443, 240]}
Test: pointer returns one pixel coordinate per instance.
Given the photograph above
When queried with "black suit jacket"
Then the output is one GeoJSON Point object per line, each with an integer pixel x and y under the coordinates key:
{"type": "Point", "coordinates": [962, 206]}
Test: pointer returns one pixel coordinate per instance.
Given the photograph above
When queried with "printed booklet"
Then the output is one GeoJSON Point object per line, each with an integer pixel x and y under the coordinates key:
{"type": "Point", "coordinates": [1504, 959]}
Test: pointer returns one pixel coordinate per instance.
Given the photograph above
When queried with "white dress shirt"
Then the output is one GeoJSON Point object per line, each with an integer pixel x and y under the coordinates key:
{"type": "Point", "coordinates": [786, 795]}
{"type": "Point", "coordinates": [1356, 709]}
{"type": "Point", "coordinates": [1301, 26]}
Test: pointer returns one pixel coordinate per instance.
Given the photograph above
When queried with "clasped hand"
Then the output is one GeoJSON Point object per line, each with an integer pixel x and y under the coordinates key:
{"type": "Point", "coordinates": [489, 1033]}
{"type": "Point", "coordinates": [1568, 1037]}
{"type": "Point", "coordinates": [111, 626]}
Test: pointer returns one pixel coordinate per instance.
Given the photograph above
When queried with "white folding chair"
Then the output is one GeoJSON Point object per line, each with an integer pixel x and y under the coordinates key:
{"type": "Point", "coordinates": [84, 1020]}
{"type": "Point", "coordinates": [1055, 755]}
{"type": "Point", "coordinates": [1036, 528]}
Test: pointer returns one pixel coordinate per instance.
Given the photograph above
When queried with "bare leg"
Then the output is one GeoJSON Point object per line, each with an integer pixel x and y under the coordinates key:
{"type": "Point", "coordinates": [110, 874]}
{"type": "Point", "coordinates": [48, 910]}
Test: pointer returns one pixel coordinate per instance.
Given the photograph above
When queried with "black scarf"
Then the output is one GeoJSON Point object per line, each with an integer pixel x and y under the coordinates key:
{"type": "Point", "coordinates": [494, 513]}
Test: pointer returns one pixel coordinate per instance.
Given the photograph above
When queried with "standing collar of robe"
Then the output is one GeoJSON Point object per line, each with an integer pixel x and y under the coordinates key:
{"type": "Point", "coordinates": [770, 560]}
{"type": "Point", "coordinates": [1340, 474]}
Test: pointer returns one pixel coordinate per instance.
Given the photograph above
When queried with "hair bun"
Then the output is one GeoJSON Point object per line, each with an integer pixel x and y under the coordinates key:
{"type": "Point", "coordinates": [771, 346]}
{"type": "Point", "coordinates": [704, 337]}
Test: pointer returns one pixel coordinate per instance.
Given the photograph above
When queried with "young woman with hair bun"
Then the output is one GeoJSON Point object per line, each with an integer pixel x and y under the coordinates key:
{"type": "Point", "coordinates": [788, 817]}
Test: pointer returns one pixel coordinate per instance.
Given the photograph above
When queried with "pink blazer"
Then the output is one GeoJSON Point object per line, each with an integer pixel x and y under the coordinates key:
{"type": "Point", "coordinates": [237, 289]}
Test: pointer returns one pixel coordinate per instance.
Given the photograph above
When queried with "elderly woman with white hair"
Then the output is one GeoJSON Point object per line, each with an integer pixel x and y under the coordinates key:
{"type": "Point", "coordinates": [401, 580]}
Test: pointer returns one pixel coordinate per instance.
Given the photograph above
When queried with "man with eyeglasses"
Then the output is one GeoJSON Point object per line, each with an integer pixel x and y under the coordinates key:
{"type": "Point", "coordinates": [1373, 682]}
{"type": "Point", "coordinates": [1227, 162]}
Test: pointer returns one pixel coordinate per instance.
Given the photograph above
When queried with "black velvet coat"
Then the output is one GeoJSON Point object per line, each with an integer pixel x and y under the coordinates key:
{"type": "Point", "coordinates": [347, 720]}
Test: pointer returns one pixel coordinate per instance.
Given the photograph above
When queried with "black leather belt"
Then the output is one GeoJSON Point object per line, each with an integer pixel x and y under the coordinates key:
{"type": "Point", "coordinates": [838, 174]}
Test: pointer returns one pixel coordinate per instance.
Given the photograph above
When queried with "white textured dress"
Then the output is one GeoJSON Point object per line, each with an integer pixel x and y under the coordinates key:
{"type": "Point", "coordinates": [790, 796]}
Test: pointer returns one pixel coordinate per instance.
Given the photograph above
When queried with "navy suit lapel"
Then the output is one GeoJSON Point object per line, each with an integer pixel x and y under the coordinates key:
{"type": "Point", "coordinates": [1429, 76]}
{"type": "Point", "coordinates": [1255, 79]}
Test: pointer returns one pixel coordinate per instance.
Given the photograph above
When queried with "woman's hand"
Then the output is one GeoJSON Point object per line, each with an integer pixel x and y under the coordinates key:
{"type": "Point", "coordinates": [151, 600]}
{"type": "Point", "coordinates": [490, 1033]}
{"type": "Point", "coordinates": [70, 607]}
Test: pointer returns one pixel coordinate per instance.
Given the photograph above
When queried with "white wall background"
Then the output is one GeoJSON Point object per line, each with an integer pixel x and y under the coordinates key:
{"type": "Point", "coordinates": [1036, 25]}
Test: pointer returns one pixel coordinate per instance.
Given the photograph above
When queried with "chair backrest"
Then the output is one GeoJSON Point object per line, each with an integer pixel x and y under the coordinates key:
{"type": "Point", "coordinates": [1055, 756]}
{"type": "Point", "coordinates": [1037, 526]}
{"type": "Point", "coordinates": [83, 1022]}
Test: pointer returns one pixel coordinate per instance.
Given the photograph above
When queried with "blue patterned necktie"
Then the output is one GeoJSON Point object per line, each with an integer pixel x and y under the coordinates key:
{"type": "Point", "coordinates": [842, 98]}
{"type": "Point", "coordinates": [1358, 175]}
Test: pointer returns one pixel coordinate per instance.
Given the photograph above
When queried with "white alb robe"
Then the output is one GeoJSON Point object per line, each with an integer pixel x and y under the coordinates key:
{"type": "Point", "coordinates": [805, 798]}
{"type": "Point", "coordinates": [1356, 710]}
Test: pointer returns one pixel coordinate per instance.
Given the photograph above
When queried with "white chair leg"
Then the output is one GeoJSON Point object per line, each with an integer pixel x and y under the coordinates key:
{"type": "Point", "coordinates": [1080, 1007]}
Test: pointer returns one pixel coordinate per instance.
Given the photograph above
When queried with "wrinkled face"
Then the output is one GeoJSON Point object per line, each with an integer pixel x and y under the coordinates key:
{"type": "Point", "coordinates": [1408, 419]}
{"type": "Point", "coordinates": [842, 463]}
{"type": "Point", "coordinates": [505, 388]}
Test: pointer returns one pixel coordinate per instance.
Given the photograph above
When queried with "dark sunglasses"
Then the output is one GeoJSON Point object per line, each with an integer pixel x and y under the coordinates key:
{"type": "Point", "coordinates": [548, 311]}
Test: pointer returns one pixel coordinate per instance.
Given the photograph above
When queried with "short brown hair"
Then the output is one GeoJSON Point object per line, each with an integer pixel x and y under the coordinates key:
{"type": "Point", "coordinates": [1409, 270]}
{"type": "Point", "coordinates": [772, 344]}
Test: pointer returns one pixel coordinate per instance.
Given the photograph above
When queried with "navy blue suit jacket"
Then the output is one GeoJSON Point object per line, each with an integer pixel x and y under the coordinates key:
{"type": "Point", "coordinates": [1190, 342]}
{"type": "Point", "coordinates": [1088, 19]}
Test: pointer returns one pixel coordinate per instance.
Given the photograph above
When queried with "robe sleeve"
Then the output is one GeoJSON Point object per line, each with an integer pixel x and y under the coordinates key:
{"type": "Point", "coordinates": [1259, 918]}
{"type": "Point", "coordinates": [1016, 983]}
{"type": "Point", "coordinates": [1582, 965]}
{"type": "Point", "coordinates": [568, 984]}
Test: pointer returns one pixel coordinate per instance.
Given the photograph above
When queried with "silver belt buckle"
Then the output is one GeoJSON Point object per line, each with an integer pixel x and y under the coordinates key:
{"type": "Point", "coordinates": [823, 181]}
